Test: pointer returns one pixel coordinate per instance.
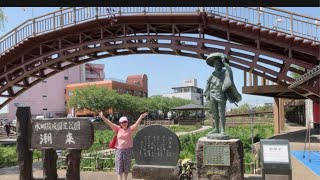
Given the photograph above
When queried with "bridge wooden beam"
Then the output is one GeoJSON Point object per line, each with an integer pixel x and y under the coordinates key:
{"type": "Point", "coordinates": [176, 51]}
{"type": "Point", "coordinates": [254, 62]}
{"type": "Point", "coordinates": [190, 30]}
{"type": "Point", "coordinates": [91, 56]}
{"type": "Point", "coordinates": [20, 85]}
{"type": "Point", "coordinates": [36, 76]}
{"type": "Point", "coordinates": [10, 92]}
{"type": "Point", "coordinates": [131, 29]}
{"type": "Point", "coordinates": [70, 61]}
{"type": "Point", "coordinates": [112, 52]}
{"type": "Point", "coordinates": [67, 41]}
{"type": "Point", "coordinates": [108, 31]}
{"type": "Point", "coordinates": [154, 50]}
{"type": "Point", "coordinates": [132, 50]}
{"type": "Point", "coordinates": [176, 28]}
{"type": "Point", "coordinates": [153, 28]}
{"type": "Point", "coordinates": [50, 46]}
{"type": "Point", "coordinates": [55, 67]}
{"type": "Point", "coordinates": [26, 82]}
{"type": "Point", "coordinates": [202, 56]}
{"type": "Point", "coordinates": [85, 36]}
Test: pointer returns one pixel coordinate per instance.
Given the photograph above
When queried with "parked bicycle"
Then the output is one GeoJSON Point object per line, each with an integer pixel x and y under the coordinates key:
{"type": "Point", "coordinates": [186, 169]}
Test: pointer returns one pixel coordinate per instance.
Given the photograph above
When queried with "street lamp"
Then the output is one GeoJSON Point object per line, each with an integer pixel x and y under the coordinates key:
{"type": "Point", "coordinates": [251, 113]}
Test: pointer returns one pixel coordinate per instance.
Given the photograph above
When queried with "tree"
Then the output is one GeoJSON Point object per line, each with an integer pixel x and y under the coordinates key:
{"type": "Point", "coordinates": [98, 99]}
{"type": "Point", "coordinates": [93, 98]}
{"type": "Point", "coordinates": [165, 104]}
{"type": "Point", "coordinates": [3, 18]}
{"type": "Point", "coordinates": [244, 108]}
{"type": "Point", "coordinates": [129, 104]}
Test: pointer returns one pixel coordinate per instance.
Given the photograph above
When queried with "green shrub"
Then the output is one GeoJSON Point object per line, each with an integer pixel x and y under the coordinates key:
{"type": "Point", "coordinates": [188, 144]}
{"type": "Point", "coordinates": [8, 156]}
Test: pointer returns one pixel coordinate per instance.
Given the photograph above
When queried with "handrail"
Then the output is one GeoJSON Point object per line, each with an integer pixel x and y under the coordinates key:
{"type": "Point", "coordinates": [288, 12]}
{"type": "Point", "coordinates": [270, 18]}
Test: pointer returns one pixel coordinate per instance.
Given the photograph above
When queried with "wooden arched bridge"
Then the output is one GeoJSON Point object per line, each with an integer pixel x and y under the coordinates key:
{"type": "Point", "coordinates": [267, 42]}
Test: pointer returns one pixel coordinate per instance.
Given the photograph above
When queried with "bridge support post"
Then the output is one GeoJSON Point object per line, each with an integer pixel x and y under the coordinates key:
{"type": "Point", "coordinates": [23, 143]}
{"type": "Point", "coordinates": [281, 113]}
{"type": "Point", "coordinates": [278, 111]}
{"type": "Point", "coordinates": [276, 124]}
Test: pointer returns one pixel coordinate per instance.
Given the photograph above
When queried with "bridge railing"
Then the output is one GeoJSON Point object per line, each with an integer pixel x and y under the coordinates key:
{"type": "Point", "coordinates": [273, 19]}
{"type": "Point", "coordinates": [269, 18]}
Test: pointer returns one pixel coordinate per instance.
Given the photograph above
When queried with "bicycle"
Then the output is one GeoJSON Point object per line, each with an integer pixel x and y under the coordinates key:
{"type": "Point", "coordinates": [188, 167]}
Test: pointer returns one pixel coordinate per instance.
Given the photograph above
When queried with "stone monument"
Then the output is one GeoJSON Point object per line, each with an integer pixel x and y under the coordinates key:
{"type": "Point", "coordinates": [156, 151]}
{"type": "Point", "coordinates": [219, 156]}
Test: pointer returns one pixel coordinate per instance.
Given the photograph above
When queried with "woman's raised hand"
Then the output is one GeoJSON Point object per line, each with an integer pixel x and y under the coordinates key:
{"type": "Point", "coordinates": [144, 115]}
{"type": "Point", "coordinates": [101, 114]}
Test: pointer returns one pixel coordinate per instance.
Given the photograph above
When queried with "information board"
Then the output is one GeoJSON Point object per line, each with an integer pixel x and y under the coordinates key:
{"type": "Point", "coordinates": [216, 155]}
{"type": "Point", "coordinates": [275, 154]}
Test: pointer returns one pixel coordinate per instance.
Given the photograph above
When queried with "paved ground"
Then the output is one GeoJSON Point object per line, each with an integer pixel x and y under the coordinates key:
{"type": "Point", "coordinates": [295, 134]}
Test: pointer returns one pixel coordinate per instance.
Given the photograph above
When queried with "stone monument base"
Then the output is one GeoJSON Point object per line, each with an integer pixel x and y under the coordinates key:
{"type": "Point", "coordinates": [217, 165]}
{"type": "Point", "coordinates": [155, 172]}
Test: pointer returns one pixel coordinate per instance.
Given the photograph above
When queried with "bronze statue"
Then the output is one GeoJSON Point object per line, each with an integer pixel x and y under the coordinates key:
{"type": "Point", "coordinates": [220, 87]}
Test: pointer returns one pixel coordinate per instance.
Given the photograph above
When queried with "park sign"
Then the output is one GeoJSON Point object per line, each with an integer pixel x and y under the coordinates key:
{"type": "Point", "coordinates": [67, 133]}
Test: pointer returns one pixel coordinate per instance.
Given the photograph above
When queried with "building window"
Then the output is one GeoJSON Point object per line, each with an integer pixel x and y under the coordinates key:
{"type": "Point", "coordinates": [44, 109]}
{"type": "Point", "coordinates": [66, 78]}
{"type": "Point", "coordinates": [70, 93]}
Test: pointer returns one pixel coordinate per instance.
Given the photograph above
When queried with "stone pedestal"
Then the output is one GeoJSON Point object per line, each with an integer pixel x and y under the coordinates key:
{"type": "Point", "coordinates": [155, 172]}
{"type": "Point", "coordinates": [219, 159]}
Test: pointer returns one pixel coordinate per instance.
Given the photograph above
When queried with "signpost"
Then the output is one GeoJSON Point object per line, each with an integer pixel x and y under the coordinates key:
{"type": "Point", "coordinates": [276, 162]}
{"type": "Point", "coordinates": [70, 133]}
{"type": "Point", "coordinates": [48, 135]}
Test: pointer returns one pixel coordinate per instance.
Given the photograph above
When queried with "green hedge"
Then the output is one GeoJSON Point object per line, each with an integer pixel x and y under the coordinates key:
{"type": "Point", "coordinates": [8, 156]}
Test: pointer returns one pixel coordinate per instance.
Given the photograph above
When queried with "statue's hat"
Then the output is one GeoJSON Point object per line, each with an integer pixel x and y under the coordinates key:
{"type": "Point", "coordinates": [216, 56]}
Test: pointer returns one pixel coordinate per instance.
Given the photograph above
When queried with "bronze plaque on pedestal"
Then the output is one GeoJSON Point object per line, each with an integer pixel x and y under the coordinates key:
{"type": "Point", "coordinates": [218, 155]}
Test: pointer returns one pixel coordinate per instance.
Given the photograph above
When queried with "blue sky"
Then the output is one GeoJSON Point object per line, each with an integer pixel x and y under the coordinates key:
{"type": "Point", "coordinates": [163, 71]}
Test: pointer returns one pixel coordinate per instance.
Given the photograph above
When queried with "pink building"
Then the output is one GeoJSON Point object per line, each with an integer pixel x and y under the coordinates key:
{"type": "Point", "coordinates": [48, 97]}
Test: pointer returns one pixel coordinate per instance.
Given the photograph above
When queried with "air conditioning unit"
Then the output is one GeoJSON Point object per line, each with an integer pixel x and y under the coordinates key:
{"type": "Point", "coordinates": [50, 115]}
